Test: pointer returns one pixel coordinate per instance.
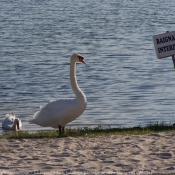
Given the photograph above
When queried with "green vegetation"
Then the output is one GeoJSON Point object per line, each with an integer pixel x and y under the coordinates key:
{"type": "Point", "coordinates": [92, 132]}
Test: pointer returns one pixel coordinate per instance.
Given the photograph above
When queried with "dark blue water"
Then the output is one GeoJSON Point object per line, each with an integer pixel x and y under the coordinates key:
{"type": "Point", "coordinates": [125, 84]}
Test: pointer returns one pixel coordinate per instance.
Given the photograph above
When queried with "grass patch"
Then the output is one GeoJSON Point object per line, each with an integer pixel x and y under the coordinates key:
{"type": "Point", "coordinates": [93, 132]}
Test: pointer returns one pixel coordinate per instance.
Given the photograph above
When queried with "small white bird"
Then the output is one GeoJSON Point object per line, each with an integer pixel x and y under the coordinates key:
{"type": "Point", "coordinates": [10, 122]}
{"type": "Point", "coordinates": [58, 113]}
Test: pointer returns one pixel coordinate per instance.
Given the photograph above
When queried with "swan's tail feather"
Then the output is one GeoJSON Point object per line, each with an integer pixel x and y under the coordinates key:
{"type": "Point", "coordinates": [32, 121]}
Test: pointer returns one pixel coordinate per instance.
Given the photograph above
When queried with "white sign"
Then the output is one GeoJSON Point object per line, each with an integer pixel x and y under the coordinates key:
{"type": "Point", "coordinates": [164, 44]}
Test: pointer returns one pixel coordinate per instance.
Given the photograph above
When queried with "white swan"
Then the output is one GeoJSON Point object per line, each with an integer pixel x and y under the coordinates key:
{"type": "Point", "coordinates": [58, 113]}
{"type": "Point", "coordinates": [10, 122]}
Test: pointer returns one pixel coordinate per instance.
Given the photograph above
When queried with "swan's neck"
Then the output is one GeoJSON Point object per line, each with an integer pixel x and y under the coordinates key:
{"type": "Point", "coordinates": [16, 125]}
{"type": "Point", "coordinates": [77, 91]}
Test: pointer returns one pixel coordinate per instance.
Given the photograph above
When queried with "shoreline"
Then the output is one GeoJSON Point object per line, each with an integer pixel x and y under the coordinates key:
{"type": "Point", "coordinates": [108, 154]}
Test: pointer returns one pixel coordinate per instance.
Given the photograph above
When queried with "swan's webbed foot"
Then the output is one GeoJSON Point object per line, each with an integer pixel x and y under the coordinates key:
{"type": "Point", "coordinates": [61, 130]}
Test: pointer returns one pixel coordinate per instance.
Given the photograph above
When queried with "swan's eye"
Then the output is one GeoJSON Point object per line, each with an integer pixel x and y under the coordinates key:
{"type": "Point", "coordinates": [80, 58]}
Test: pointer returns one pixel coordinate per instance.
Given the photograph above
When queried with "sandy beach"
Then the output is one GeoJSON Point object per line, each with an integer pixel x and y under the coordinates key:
{"type": "Point", "coordinates": [110, 154]}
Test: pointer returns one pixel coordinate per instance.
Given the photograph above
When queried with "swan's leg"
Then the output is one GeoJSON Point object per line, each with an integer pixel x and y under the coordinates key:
{"type": "Point", "coordinates": [63, 129]}
{"type": "Point", "coordinates": [59, 127]}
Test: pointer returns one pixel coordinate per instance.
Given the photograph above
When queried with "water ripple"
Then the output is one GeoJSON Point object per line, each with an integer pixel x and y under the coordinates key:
{"type": "Point", "coordinates": [124, 82]}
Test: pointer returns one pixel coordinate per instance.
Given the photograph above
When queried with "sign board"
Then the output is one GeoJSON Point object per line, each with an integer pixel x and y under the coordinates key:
{"type": "Point", "coordinates": [164, 44]}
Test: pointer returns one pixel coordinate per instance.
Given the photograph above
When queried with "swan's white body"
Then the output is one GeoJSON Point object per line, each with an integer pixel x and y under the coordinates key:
{"type": "Point", "coordinates": [60, 112]}
{"type": "Point", "coordinates": [10, 122]}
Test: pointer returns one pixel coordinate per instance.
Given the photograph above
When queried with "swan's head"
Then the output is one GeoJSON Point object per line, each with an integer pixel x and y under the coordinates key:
{"type": "Point", "coordinates": [77, 58]}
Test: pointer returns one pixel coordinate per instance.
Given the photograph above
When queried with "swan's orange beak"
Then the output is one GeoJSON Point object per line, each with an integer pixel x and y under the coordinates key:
{"type": "Point", "coordinates": [83, 61]}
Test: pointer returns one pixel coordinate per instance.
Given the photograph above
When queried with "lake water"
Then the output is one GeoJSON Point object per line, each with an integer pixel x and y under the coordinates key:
{"type": "Point", "coordinates": [125, 84]}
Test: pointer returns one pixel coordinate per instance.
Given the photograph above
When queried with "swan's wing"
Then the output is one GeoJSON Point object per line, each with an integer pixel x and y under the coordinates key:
{"type": "Point", "coordinates": [52, 111]}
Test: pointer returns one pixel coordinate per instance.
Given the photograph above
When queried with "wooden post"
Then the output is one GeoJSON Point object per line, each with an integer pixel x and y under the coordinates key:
{"type": "Point", "coordinates": [173, 56]}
